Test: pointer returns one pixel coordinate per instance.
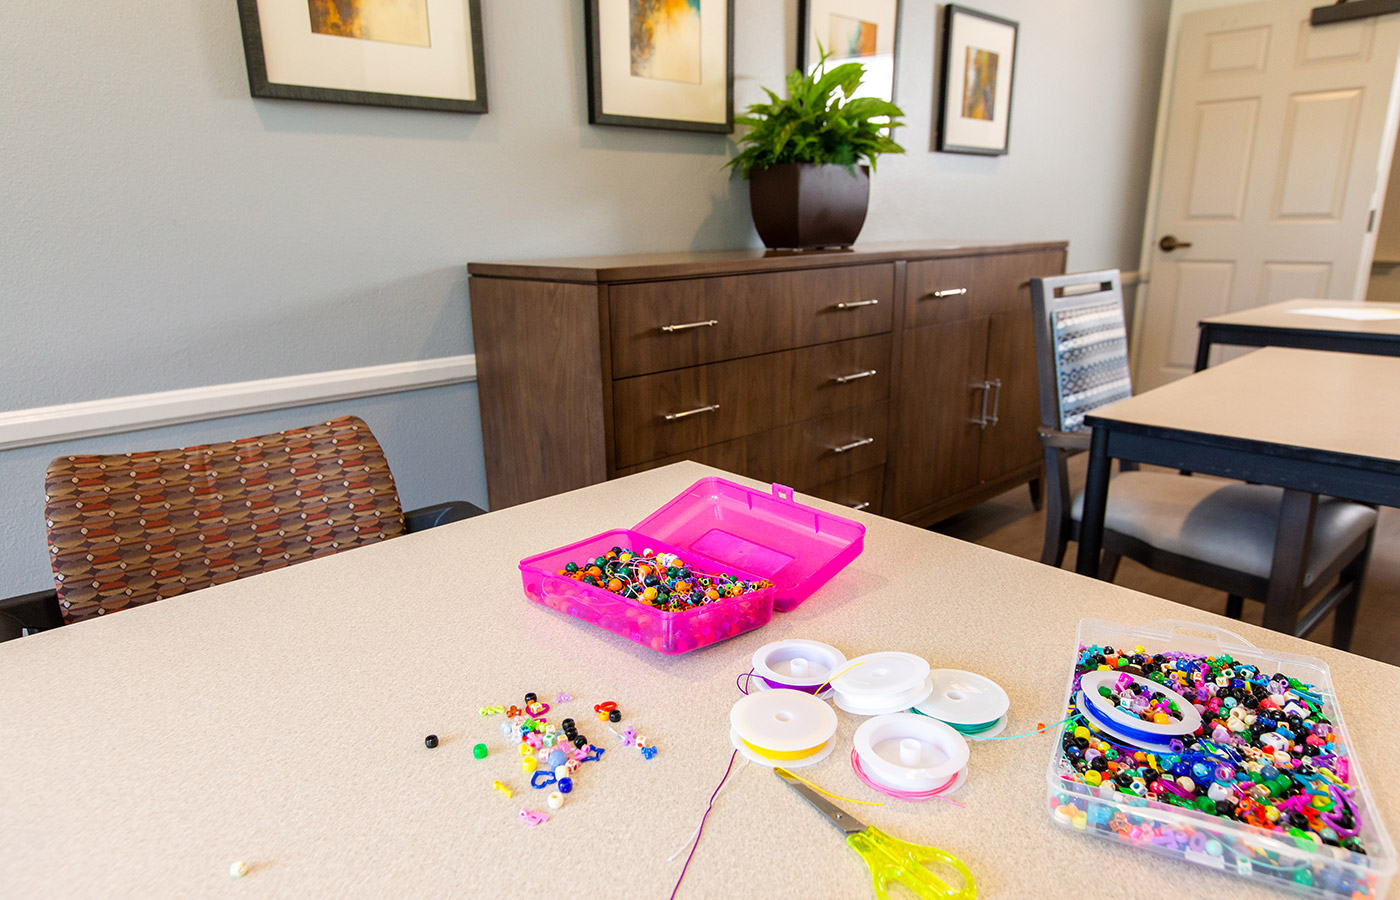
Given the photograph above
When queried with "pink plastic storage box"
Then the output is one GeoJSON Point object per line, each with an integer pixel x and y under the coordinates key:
{"type": "Point", "coordinates": [722, 528]}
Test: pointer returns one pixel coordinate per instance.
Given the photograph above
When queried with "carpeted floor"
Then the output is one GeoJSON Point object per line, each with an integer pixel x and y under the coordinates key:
{"type": "Point", "coordinates": [1010, 524]}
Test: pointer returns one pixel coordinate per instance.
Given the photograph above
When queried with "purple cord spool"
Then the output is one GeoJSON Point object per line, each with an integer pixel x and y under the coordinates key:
{"type": "Point", "coordinates": [795, 665]}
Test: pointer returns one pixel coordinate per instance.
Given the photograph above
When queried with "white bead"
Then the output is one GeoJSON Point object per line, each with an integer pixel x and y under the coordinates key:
{"type": "Point", "coordinates": [561, 771]}
{"type": "Point", "coordinates": [556, 800]}
{"type": "Point", "coordinates": [238, 869]}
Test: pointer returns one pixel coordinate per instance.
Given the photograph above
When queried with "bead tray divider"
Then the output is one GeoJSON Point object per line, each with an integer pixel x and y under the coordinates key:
{"type": "Point", "coordinates": [664, 631]}
{"type": "Point", "coordinates": [1374, 868]}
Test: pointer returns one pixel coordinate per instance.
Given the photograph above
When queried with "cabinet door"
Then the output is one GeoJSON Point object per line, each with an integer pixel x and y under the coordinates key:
{"type": "Point", "coordinates": [1013, 441]}
{"type": "Point", "coordinates": [939, 397]}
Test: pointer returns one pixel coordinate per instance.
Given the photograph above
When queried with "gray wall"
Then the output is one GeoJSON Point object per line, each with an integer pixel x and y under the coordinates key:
{"type": "Point", "coordinates": [162, 230]}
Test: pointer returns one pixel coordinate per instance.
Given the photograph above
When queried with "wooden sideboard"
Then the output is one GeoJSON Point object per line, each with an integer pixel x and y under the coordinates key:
{"type": "Point", "coordinates": [898, 378]}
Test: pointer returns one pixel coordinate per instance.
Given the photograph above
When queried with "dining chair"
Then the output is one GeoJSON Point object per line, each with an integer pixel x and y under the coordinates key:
{"type": "Point", "coordinates": [132, 528]}
{"type": "Point", "coordinates": [1215, 533]}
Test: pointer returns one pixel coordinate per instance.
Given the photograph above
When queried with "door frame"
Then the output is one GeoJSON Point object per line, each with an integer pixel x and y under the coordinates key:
{"type": "Point", "coordinates": [1147, 252]}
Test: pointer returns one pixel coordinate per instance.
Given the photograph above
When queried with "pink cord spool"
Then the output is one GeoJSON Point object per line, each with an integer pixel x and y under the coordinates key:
{"type": "Point", "coordinates": [935, 794]}
{"type": "Point", "coordinates": [909, 757]}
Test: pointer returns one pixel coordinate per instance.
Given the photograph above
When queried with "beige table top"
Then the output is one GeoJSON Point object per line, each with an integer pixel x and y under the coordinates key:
{"type": "Point", "coordinates": [280, 720]}
{"type": "Point", "coordinates": [1338, 402]}
{"type": "Point", "coordinates": [1281, 315]}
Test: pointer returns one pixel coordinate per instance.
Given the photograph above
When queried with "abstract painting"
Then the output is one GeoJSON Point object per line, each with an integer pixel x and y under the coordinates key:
{"type": "Point", "coordinates": [979, 64]}
{"type": "Point", "coordinates": [980, 85]}
{"type": "Point", "coordinates": [661, 63]}
{"type": "Point", "coordinates": [394, 21]}
{"type": "Point", "coordinates": [862, 31]}
{"type": "Point", "coordinates": [850, 38]}
{"type": "Point", "coordinates": [419, 54]}
{"type": "Point", "coordinates": [665, 40]}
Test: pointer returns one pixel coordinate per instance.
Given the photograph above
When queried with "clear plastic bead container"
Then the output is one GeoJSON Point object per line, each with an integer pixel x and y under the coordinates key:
{"type": "Point", "coordinates": [1301, 867]}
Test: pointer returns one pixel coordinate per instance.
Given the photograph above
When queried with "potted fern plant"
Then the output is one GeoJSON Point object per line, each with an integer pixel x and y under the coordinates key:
{"type": "Point", "coordinates": [808, 158]}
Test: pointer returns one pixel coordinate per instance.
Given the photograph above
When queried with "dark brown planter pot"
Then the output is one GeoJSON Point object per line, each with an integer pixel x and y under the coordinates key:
{"type": "Point", "coordinates": [803, 205]}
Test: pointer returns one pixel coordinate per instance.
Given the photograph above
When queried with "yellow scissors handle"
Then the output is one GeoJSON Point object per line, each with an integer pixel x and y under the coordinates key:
{"type": "Point", "coordinates": [894, 861]}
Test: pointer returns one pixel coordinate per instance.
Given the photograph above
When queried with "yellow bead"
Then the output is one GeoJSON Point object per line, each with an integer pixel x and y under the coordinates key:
{"type": "Point", "coordinates": [526, 750]}
{"type": "Point", "coordinates": [1161, 718]}
{"type": "Point", "coordinates": [528, 764]}
{"type": "Point", "coordinates": [1081, 732]}
{"type": "Point", "coordinates": [1093, 778]}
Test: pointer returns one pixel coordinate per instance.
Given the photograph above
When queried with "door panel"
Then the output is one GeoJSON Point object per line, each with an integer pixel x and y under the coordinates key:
{"type": "Point", "coordinates": [1013, 441]}
{"type": "Point", "coordinates": [937, 443]}
{"type": "Point", "coordinates": [1277, 146]}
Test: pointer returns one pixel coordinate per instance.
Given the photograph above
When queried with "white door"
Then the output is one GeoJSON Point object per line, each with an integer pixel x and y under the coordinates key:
{"type": "Point", "coordinates": [1278, 144]}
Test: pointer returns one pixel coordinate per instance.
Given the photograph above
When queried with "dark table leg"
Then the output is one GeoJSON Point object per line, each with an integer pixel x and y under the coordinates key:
{"type": "Point", "coordinates": [1292, 547]}
{"type": "Point", "coordinates": [1095, 503]}
{"type": "Point", "coordinates": [1203, 344]}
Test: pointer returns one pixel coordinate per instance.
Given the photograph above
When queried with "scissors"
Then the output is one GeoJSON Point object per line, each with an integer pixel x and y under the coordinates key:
{"type": "Point", "coordinates": [891, 860]}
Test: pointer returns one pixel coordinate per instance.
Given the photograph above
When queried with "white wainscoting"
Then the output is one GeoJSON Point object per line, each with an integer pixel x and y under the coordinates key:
{"type": "Point", "coordinates": [67, 421]}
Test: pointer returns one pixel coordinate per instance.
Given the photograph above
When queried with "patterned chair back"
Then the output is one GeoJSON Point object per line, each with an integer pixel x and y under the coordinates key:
{"type": "Point", "coordinates": [132, 528]}
{"type": "Point", "coordinates": [1081, 346]}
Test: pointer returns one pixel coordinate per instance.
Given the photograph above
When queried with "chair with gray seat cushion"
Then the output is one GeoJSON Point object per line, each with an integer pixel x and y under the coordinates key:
{"type": "Point", "coordinates": [1215, 533]}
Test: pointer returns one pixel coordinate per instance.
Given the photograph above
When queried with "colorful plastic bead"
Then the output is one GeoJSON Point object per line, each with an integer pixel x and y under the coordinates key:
{"type": "Point", "coordinates": [430, 741]}
{"type": "Point", "coordinates": [556, 799]}
{"type": "Point", "coordinates": [479, 751]}
{"type": "Point", "coordinates": [565, 785]}
{"type": "Point", "coordinates": [503, 789]}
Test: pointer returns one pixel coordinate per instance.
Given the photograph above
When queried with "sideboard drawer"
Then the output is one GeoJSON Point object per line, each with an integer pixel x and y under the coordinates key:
{"type": "Point", "coordinates": [862, 491]}
{"type": "Point", "coordinates": [938, 291]}
{"type": "Point", "coordinates": [670, 412]}
{"type": "Point", "coordinates": [664, 325]}
{"type": "Point", "coordinates": [804, 455]}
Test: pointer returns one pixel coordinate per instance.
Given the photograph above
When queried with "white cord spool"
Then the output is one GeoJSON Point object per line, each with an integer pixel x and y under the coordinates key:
{"type": "Point", "coordinates": [767, 726]}
{"type": "Point", "coordinates": [1127, 728]}
{"type": "Point", "coordinates": [881, 683]}
{"type": "Point", "coordinates": [965, 700]}
{"type": "Point", "coordinates": [912, 753]}
{"type": "Point", "coordinates": [797, 663]}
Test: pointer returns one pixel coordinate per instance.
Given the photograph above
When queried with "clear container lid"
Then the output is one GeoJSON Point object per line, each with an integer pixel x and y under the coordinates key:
{"type": "Point", "coordinates": [796, 547]}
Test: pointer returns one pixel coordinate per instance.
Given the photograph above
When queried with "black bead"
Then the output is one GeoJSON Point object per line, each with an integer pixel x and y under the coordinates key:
{"type": "Point", "coordinates": [1082, 742]}
{"type": "Point", "coordinates": [1123, 779]}
{"type": "Point", "coordinates": [430, 741]}
{"type": "Point", "coordinates": [530, 697]}
{"type": "Point", "coordinates": [1099, 764]}
{"type": "Point", "coordinates": [567, 725]}
{"type": "Point", "coordinates": [1223, 808]}
{"type": "Point", "coordinates": [580, 740]}
{"type": "Point", "coordinates": [615, 715]}
{"type": "Point", "coordinates": [1297, 820]}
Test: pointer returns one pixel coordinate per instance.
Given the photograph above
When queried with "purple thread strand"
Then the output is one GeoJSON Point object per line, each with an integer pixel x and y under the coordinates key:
{"type": "Point", "coordinates": [701, 830]}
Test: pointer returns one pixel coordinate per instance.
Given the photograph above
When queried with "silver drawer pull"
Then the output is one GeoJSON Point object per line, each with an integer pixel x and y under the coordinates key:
{"type": "Point", "coordinates": [860, 506]}
{"type": "Point", "coordinates": [853, 445]}
{"type": "Point", "coordinates": [708, 323]}
{"type": "Point", "coordinates": [950, 292]}
{"type": "Point", "coordinates": [995, 383]}
{"type": "Point", "coordinates": [671, 417]}
{"type": "Point", "coordinates": [855, 376]}
{"type": "Point", "coordinates": [856, 304]}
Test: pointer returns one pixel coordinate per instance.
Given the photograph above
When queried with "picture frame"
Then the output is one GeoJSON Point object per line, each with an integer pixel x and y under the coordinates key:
{"type": "Point", "coordinates": [863, 31]}
{"type": "Point", "coordinates": [416, 54]}
{"type": "Point", "coordinates": [979, 67]}
{"type": "Point", "coordinates": [661, 64]}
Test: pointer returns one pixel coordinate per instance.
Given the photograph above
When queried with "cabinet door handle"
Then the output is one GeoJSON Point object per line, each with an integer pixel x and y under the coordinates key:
{"type": "Point", "coordinates": [996, 401]}
{"type": "Point", "coordinates": [853, 445]}
{"type": "Point", "coordinates": [708, 323]}
{"type": "Point", "coordinates": [855, 304]}
{"type": "Point", "coordinates": [950, 292]}
{"type": "Point", "coordinates": [671, 417]}
{"type": "Point", "coordinates": [854, 376]}
{"type": "Point", "coordinates": [984, 387]}
{"type": "Point", "coordinates": [859, 506]}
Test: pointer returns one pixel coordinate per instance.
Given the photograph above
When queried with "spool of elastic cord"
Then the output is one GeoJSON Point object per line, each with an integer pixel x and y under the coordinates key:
{"type": "Point", "coordinates": [909, 757]}
{"type": "Point", "coordinates": [882, 683]}
{"type": "Point", "coordinates": [795, 664]}
{"type": "Point", "coordinates": [782, 727]}
{"type": "Point", "coordinates": [972, 704]}
{"type": "Point", "coordinates": [1103, 714]}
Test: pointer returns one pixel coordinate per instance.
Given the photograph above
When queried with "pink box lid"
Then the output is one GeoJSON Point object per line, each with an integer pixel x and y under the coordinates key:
{"type": "Point", "coordinates": [796, 547]}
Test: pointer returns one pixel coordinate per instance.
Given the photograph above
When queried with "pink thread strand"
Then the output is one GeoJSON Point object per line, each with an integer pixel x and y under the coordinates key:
{"type": "Point", "coordinates": [935, 794]}
{"type": "Point", "coordinates": [701, 830]}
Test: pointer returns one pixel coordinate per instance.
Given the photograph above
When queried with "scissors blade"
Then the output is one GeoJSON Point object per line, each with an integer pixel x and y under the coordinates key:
{"type": "Point", "coordinates": [838, 817]}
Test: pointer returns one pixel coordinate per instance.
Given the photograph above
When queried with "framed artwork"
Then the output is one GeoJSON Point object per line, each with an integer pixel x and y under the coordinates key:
{"type": "Point", "coordinates": [863, 31]}
{"type": "Point", "coordinates": [661, 63]}
{"type": "Point", "coordinates": [979, 61]}
{"type": "Point", "coordinates": [421, 54]}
